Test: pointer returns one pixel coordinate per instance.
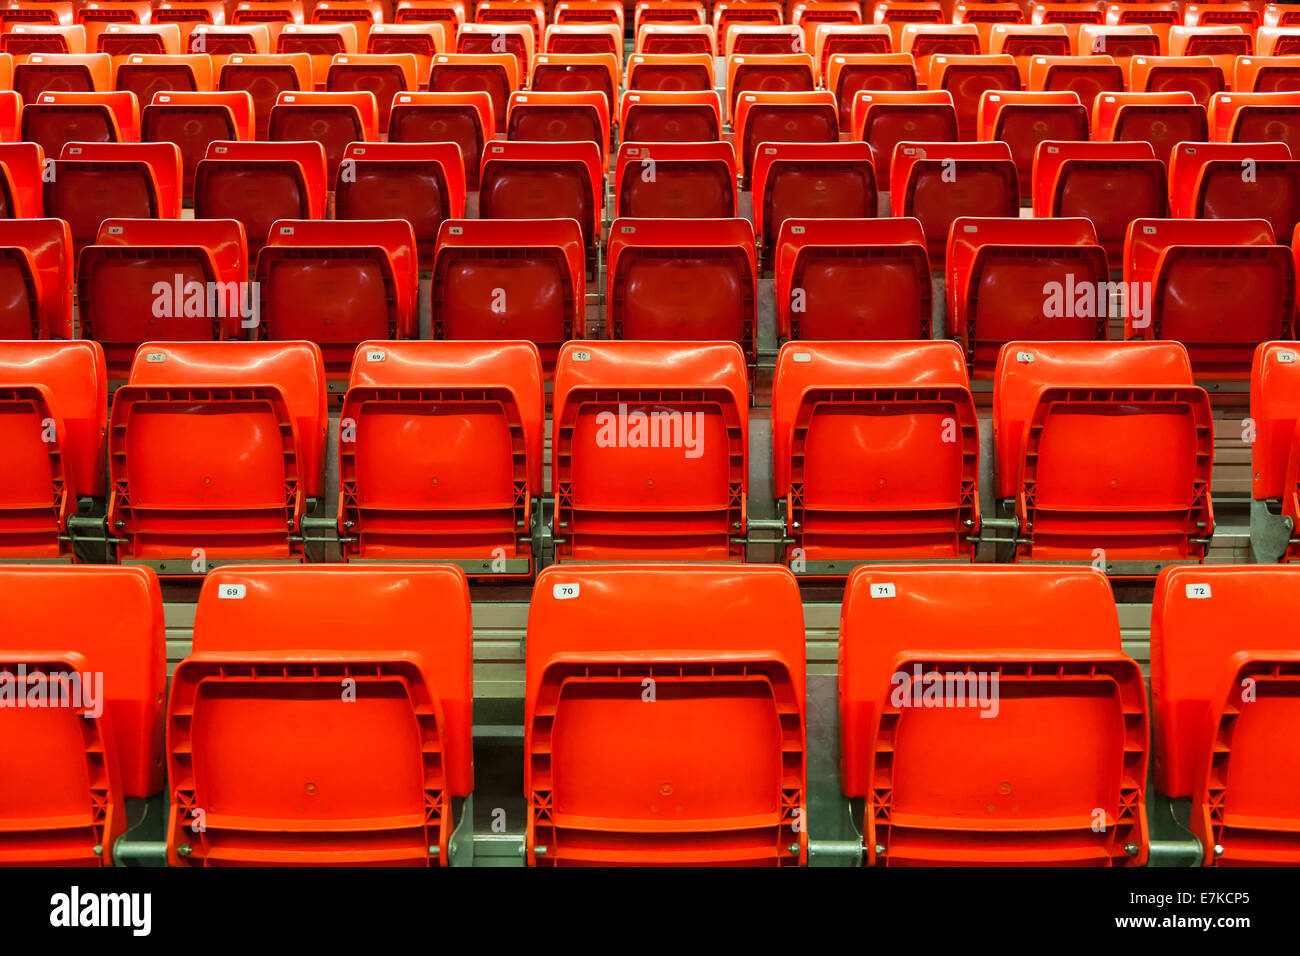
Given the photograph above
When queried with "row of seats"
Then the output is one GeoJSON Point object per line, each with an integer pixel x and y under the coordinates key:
{"type": "Point", "coordinates": [217, 450]}
{"type": "Point", "coordinates": [323, 716]}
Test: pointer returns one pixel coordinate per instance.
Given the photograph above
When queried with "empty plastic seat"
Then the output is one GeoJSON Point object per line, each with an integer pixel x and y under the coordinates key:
{"type": "Point", "coordinates": [1120, 42]}
{"type": "Point", "coordinates": [849, 40]}
{"type": "Point", "coordinates": [264, 77]}
{"type": "Point", "coordinates": [1023, 40]}
{"type": "Point", "coordinates": [268, 11]}
{"type": "Point", "coordinates": [852, 279]}
{"type": "Point", "coordinates": [1280, 15]}
{"type": "Point", "coordinates": [497, 74]}
{"type": "Point", "coordinates": [563, 38]}
{"type": "Point", "coordinates": [589, 11]}
{"type": "Point", "coordinates": [682, 281]}
{"type": "Point", "coordinates": [1214, 14]}
{"type": "Point", "coordinates": [1058, 778]}
{"type": "Point", "coordinates": [34, 11]}
{"type": "Point", "coordinates": [1104, 446]}
{"type": "Point", "coordinates": [39, 73]}
{"type": "Point", "coordinates": [897, 14]}
{"type": "Point", "coordinates": [1161, 17]}
{"type": "Point", "coordinates": [1224, 682]}
{"type": "Point", "coordinates": [123, 39]}
{"type": "Point", "coordinates": [748, 12]}
{"type": "Point", "coordinates": [577, 73]}
{"type": "Point", "coordinates": [450, 13]}
{"type": "Point", "coordinates": [875, 453]}
{"type": "Point", "coordinates": [194, 121]}
{"type": "Point", "coordinates": [1023, 280]}
{"type": "Point", "coordinates": [332, 119]}
{"type": "Point", "coordinates": [24, 38]}
{"type": "Point", "coordinates": [718, 651]}
{"type": "Point", "coordinates": [384, 75]}
{"type": "Point", "coordinates": [22, 180]}
{"type": "Point", "coordinates": [848, 74]}
{"type": "Point", "coordinates": [91, 182]}
{"type": "Point", "coordinates": [226, 40]}
{"type": "Point", "coordinates": [648, 452]}
{"type": "Point", "coordinates": [1278, 41]}
{"type": "Point", "coordinates": [530, 12]}
{"type": "Point", "coordinates": [1275, 451]}
{"type": "Point", "coordinates": [670, 72]}
{"type": "Point", "coordinates": [1198, 75]}
{"type": "Point", "coordinates": [883, 120]}
{"type": "Point", "coordinates": [675, 181]}
{"type": "Point", "coordinates": [810, 181]}
{"type": "Point", "coordinates": [560, 117]}
{"type": "Point", "coordinates": [1236, 181]}
{"type": "Point", "coordinates": [423, 41]}
{"type": "Point", "coordinates": [379, 771]}
{"type": "Point", "coordinates": [788, 73]}
{"type": "Point", "coordinates": [1266, 74]}
{"type": "Point", "coordinates": [510, 279]}
{"type": "Point", "coordinates": [782, 118]}
{"type": "Point", "coordinates": [214, 449]}
{"type": "Point", "coordinates": [1223, 43]}
{"type": "Point", "coordinates": [810, 15]}
{"type": "Point", "coordinates": [423, 183]}
{"type": "Point", "coordinates": [966, 78]}
{"type": "Point", "coordinates": [36, 267]}
{"type": "Point", "coordinates": [461, 118]}
{"type": "Point", "coordinates": [676, 40]}
{"type": "Point", "coordinates": [1023, 119]}
{"type": "Point", "coordinates": [512, 39]}
{"type": "Point", "coordinates": [115, 11]}
{"type": "Point", "coordinates": [1110, 184]}
{"type": "Point", "coordinates": [525, 180]}
{"type": "Point", "coordinates": [691, 116]}
{"type": "Point", "coordinates": [68, 767]}
{"type": "Point", "coordinates": [11, 108]}
{"type": "Point", "coordinates": [469, 413]}
{"type": "Point", "coordinates": [765, 39]}
{"type": "Point", "coordinates": [260, 183]}
{"type": "Point", "coordinates": [189, 13]}
{"type": "Point", "coordinates": [1161, 119]}
{"type": "Point", "coordinates": [940, 182]}
{"type": "Point", "coordinates": [924, 40]}
{"type": "Point", "coordinates": [1256, 118]}
{"type": "Point", "coordinates": [321, 41]}
{"type": "Point", "coordinates": [361, 13]}
{"type": "Point", "coordinates": [673, 12]}
{"type": "Point", "coordinates": [146, 74]}
{"type": "Point", "coordinates": [338, 284]}
{"type": "Point", "coordinates": [1218, 286]}
{"type": "Point", "coordinates": [1088, 76]}
{"type": "Point", "coordinates": [56, 119]}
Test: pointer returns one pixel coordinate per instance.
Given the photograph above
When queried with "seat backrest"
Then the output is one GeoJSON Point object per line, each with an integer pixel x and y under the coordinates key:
{"type": "Point", "coordinates": [511, 170]}
{"type": "Point", "coordinates": [687, 116]}
{"type": "Point", "coordinates": [1275, 411]}
{"type": "Point", "coordinates": [675, 181]}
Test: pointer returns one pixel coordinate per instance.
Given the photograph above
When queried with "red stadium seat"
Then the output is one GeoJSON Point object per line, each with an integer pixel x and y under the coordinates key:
{"type": "Point", "coordinates": [560, 117]}
{"type": "Point", "coordinates": [512, 39]}
{"type": "Point", "coordinates": [849, 40]}
{"type": "Point", "coordinates": [670, 72]}
{"type": "Point", "coordinates": [68, 769]}
{"type": "Point", "coordinates": [338, 284]}
{"type": "Point", "coordinates": [1088, 76]}
{"type": "Point", "coordinates": [782, 118]}
{"type": "Point", "coordinates": [384, 75]}
{"type": "Point", "coordinates": [1236, 181]}
{"type": "Point", "coordinates": [194, 121]}
{"type": "Point", "coordinates": [810, 181]}
{"type": "Point", "coordinates": [1104, 447]}
{"type": "Point", "coordinates": [589, 11]}
{"type": "Point", "coordinates": [1161, 119]}
{"type": "Point", "coordinates": [385, 765]}
{"type": "Point", "coordinates": [883, 120]}
{"type": "Point", "coordinates": [561, 38]}
{"type": "Point", "coordinates": [423, 183]}
{"type": "Point", "coordinates": [691, 116]}
{"type": "Point", "coordinates": [1023, 41]}
{"type": "Point", "coordinates": [362, 13]}
{"type": "Point", "coordinates": [145, 74]}
{"type": "Point", "coordinates": [91, 182]}
{"type": "Point", "coordinates": [423, 41]}
{"type": "Point", "coordinates": [189, 13]}
{"type": "Point", "coordinates": [332, 119]}
{"type": "Point", "coordinates": [264, 77]}
{"type": "Point", "coordinates": [450, 13]}
{"type": "Point", "coordinates": [472, 413]}
{"type": "Point", "coordinates": [1223, 43]}
{"type": "Point", "coordinates": [1161, 17]}
{"type": "Point", "coordinates": [966, 78]}
{"type": "Point", "coordinates": [1275, 451]}
{"type": "Point", "coordinates": [1278, 41]}
{"type": "Point", "coordinates": [1218, 286]}
{"type": "Point", "coordinates": [1022, 120]}
{"type": "Point", "coordinates": [1266, 74]}
{"type": "Point", "coordinates": [321, 41]}
{"type": "Point", "coordinates": [461, 118]}
{"type": "Point", "coordinates": [1119, 42]}
{"type": "Point", "coordinates": [764, 39]}
{"type": "Point", "coordinates": [1198, 75]}
{"type": "Point", "coordinates": [1110, 184]}
{"type": "Point", "coordinates": [1218, 14]}
{"type": "Point", "coordinates": [924, 40]}
{"type": "Point", "coordinates": [851, 279]}
{"type": "Point", "coordinates": [260, 183]}
{"type": "Point", "coordinates": [789, 73]}
{"type": "Point", "coordinates": [26, 38]}
{"type": "Point", "coordinates": [940, 182]}
{"type": "Point", "coordinates": [678, 281]}
{"type": "Point", "coordinates": [199, 265]}
{"type": "Point", "coordinates": [675, 181]}
{"type": "Point", "coordinates": [530, 12]}
{"type": "Point", "coordinates": [1023, 280]}
{"type": "Point", "coordinates": [222, 40]}
{"type": "Point", "coordinates": [747, 12]}
{"type": "Point", "coordinates": [672, 12]}
{"type": "Point", "coordinates": [11, 108]}
{"type": "Point", "coordinates": [875, 453]}
{"type": "Point", "coordinates": [36, 268]}
{"type": "Point", "coordinates": [916, 676]}
{"type": "Point", "coordinates": [494, 73]}
{"type": "Point", "coordinates": [56, 119]}
{"type": "Point", "coordinates": [62, 14]}
{"type": "Point", "coordinates": [509, 279]}
{"type": "Point", "coordinates": [523, 180]}
{"type": "Point", "coordinates": [22, 181]}
{"type": "Point", "coordinates": [1280, 15]}
{"type": "Point", "coordinates": [1224, 682]}
{"type": "Point", "coordinates": [648, 451]}
{"type": "Point", "coordinates": [268, 11]}
{"type": "Point", "coordinates": [123, 39]}
{"type": "Point", "coordinates": [1256, 118]}
{"type": "Point", "coordinates": [214, 450]}
{"type": "Point", "coordinates": [39, 73]}
{"type": "Point", "coordinates": [577, 73]}
{"type": "Point", "coordinates": [676, 40]}
{"type": "Point", "coordinates": [850, 73]}
{"type": "Point", "coordinates": [898, 14]}
{"type": "Point", "coordinates": [719, 650]}
{"type": "Point", "coordinates": [811, 15]}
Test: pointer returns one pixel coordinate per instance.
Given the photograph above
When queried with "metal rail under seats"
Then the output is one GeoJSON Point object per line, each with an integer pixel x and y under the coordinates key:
{"type": "Point", "coordinates": [338, 284]}
{"type": "Point", "coordinates": [560, 117]}
{"type": "Point", "coordinates": [511, 39]}
{"type": "Point", "coordinates": [423, 183]}
{"type": "Point", "coordinates": [848, 74]}
{"type": "Point", "coordinates": [1275, 452]}
{"type": "Point", "coordinates": [939, 183]}
{"type": "Point", "coordinates": [194, 121]}
{"type": "Point", "coordinates": [883, 119]}
{"type": "Point", "coordinates": [36, 268]}
{"type": "Point", "coordinates": [875, 454]}
{"type": "Point", "coordinates": [686, 116]}
{"type": "Point", "coordinates": [763, 117]}
{"type": "Point", "coordinates": [1236, 181]}
{"type": "Point", "coordinates": [382, 74]}
{"type": "Point", "coordinates": [53, 411]}
{"type": "Point", "coordinates": [1198, 75]}
{"type": "Point", "coordinates": [68, 765]}
{"type": "Point", "coordinates": [1219, 286]}
{"type": "Point", "coordinates": [423, 41]}
{"type": "Point", "coordinates": [681, 281]}
{"type": "Point", "coordinates": [670, 73]}
{"type": "Point", "coordinates": [37, 73]}
{"type": "Point", "coordinates": [332, 119]}
{"type": "Point", "coordinates": [664, 717]}
{"type": "Point", "coordinates": [1104, 451]}
{"type": "Point", "coordinates": [1162, 119]}
{"type": "Point", "coordinates": [810, 181]}
{"type": "Point", "coordinates": [264, 76]}
{"type": "Point", "coordinates": [200, 266]}
{"type": "Point", "coordinates": [496, 74]}
{"type": "Point", "coordinates": [145, 74]}
{"type": "Point", "coordinates": [1110, 184]}
{"type": "Point", "coordinates": [988, 715]}
{"type": "Point", "coordinates": [967, 78]}
{"type": "Point", "coordinates": [673, 180]}
{"type": "Point", "coordinates": [1023, 279]}
{"type": "Point", "coordinates": [323, 717]}
{"type": "Point", "coordinates": [1225, 687]}
{"type": "Point", "coordinates": [525, 180]}
{"type": "Point", "coordinates": [1257, 117]}
{"type": "Point", "coordinates": [259, 184]}
{"type": "Point", "coordinates": [648, 451]}
{"type": "Point", "coordinates": [848, 40]}
{"type": "Point", "coordinates": [510, 279]}
{"type": "Point", "coordinates": [773, 73]}
{"type": "Point", "coordinates": [578, 73]}
{"type": "Point", "coordinates": [440, 455]}
{"type": "Point", "coordinates": [852, 279]}
{"type": "Point", "coordinates": [91, 182]}
{"type": "Point", "coordinates": [215, 449]}
{"type": "Point", "coordinates": [461, 118]}
{"type": "Point", "coordinates": [1023, 119]}
{"type": "Point", "coordinates": [1088, 76]}
{"type": "Point", "coordinates": [56, 119]}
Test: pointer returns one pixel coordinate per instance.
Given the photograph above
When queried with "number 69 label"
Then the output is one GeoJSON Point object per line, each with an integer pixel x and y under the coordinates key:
{"type": "Point", "coordinates": [232, 592]}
